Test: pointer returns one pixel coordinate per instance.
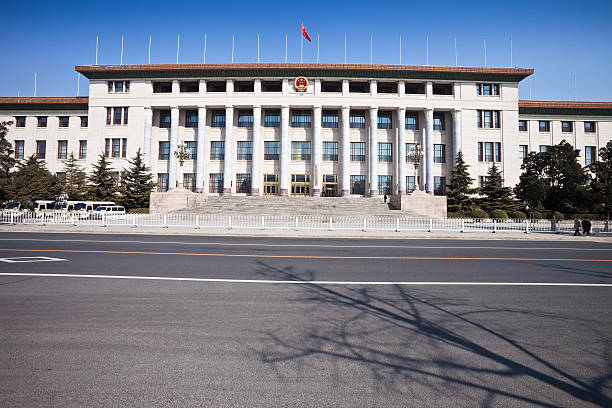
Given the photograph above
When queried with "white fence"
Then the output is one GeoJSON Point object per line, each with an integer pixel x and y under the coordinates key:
{"type": "Point", "coordinates": [372, 223]}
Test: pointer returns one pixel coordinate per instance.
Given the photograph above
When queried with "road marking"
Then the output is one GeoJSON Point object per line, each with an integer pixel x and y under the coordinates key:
{"type": "Point", "coordinates": [303, 282]}
{"type": "Point", "coordinates": [304, 245]}
{"type": "Point", "coordinates": [400, 258]}
{"type": "Point", "coordinates": [24, 259]}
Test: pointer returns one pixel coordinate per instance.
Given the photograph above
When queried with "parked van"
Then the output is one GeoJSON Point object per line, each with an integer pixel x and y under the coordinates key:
{"type": "Point", "coordinates": [110, 212]}
{"type": "Point", "coordinates": [84, 208]}
{"type": "Point", "coordinates": [44, 206]}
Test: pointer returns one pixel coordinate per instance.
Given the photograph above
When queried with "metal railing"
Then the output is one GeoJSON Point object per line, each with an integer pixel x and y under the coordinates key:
{"type": "Point", "coordinates": [306, 222]}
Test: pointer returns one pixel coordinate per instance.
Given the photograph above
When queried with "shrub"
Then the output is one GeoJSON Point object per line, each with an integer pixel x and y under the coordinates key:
{"type": "Point", "coordinates": [478, 212]}
{"type": "Point", "coordinates": [517, 214]}
{"type": "Point", "coordinates": [537, 215]}
{"type": "Point", "coordinates": [455, 214]}
{"type": "Point", "coordinates": [557, 215]}
{"type": "Point", "coordinates": [498, 214]}
{"type": "Point", "coordinates": [139, 211]}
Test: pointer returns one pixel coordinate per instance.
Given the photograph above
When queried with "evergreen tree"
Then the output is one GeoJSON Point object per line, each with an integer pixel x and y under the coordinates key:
{"type": "Point", "coordinates": [459, 190]}
{"type": "Point", "coordinates": [553, 179]}
{"type": "Point", "coordinates": [494, 196]}
{"type": "Point", "coordinates": [602, 181]}
{"type": "Point", "coordinates": [32, 181]}
{"type": "Point", "coordinates": [75, 184]}
{"type": "Point", "coordinates": [137, 184]}
{"type": "Point", "coordinates": [7, 162]}
{"type": "Point", "coordinates": [102, 184]}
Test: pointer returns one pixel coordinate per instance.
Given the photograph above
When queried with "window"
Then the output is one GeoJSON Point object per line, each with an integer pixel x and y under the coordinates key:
{"type": "Point", "coordinates": [544, 126]}
{"type": "Point", "coordinates": [300, 119]}
{"type": "Point", "coordinates": [245, 150]}
{"type": "Point", "coordinates": [415, 89]}
{"type": "Point", "coordinates": [523, 152]}
{"type": "Point", "coordinates": [438, 119]}
{"type": "Point", "coordinates": [244, 86]}
{"type": "Point", "coordinates": [189, 181]}
{"type": "Point", "coordinates": [385, 153]}
{"type": "Point", "coordinates": [489, 152]}
{"type": "Point", "coordinates": [42, 121]}
{"type": "Point", "coordinates": [217, 150]}
{"type": "Point", "coordinates": [216, 86]}
{"type": "Point", "coordinates": [271, 150]}
{"type": "Point", "coordinates": [330, 119]}
{"type": "Point", "coordinates": [330, 151]}
{"type": "Point", "coordinates": [190, 86]}
{"type": "Point", "coordinates": [412, 120]}
{"type": "Point", "coordinates": [385, 120]}
{"type": "Point", "coordinates": [482, 180]}
{"type": "Point", "coordinates": [162, 182]}
{"type": "Point", "coordinates": [410, 183]}
{"type": "Point", "coordinates": [300, 151]}
{"type": "Point", "coordinates": [215, 183]}
{"type": "Point", "coordinates": [20, 121]}
{"type": "Point", "coordinates": [118, 113]}
{"type": "Point", "coordinates": [120, 86]}
{"type": "Point", "coordinates": [272, 118]}
{"type": "Point", "coordinates": [358, 151]}
{"type": "Point", "coordinates": [82, 149]}
{"type": "Point", "coordinates": [162, 87]}
{"type": "Point", "coordinates": [329, 86]}
{"type": "Point", "coordinates": [164, 151]}
{"type": "Point", "coordinates": [410, 151]}
{"type": "Point", "coordinates": [385, 185]}
{"type": "Point", "coordinates": [488, 119]}
{"type": "Point", "coordinates": [218, 119]}
{"type": "Point", "coordinates": [124, 148]}
{"type": "Point", "coordinates": [19, 144]}
{"type": "Point", "coordinates": [442, 89]}
{"type": "Point", "coordinates": [116, 148]}
{"type": "Point", "coordinates": [192, 148]}
{"type": "Point", "coordinates": [567, 127]}
{"type": "Point", "coordinates": [41, 149]}
{"type": "Point", "coordinates": [359, 87]}
{"type": "Point", "coordinates": [245, 118]}
{"type": "Point", "coordinates": [589, 127]}
{"type": "Point", "coordinates": [590, 155]}
{"type": "Point", "coordinates": [439, 185]}
{"type": "Point", "coordinates": [357, 184]}
{"type": "Point", "coordinates": [488, 89]}
{"type": "Point", "coordinates": [386, 87]}
{"type": "Point", "coordinates": [271, 86]}
{"type": "Point", "coordinates": [107, 144]}
{"type": "Point", "coordinates": [243, 183]}
{"type": "Point", "coordinates": [125, 116]}
{"type": "Point", "coordinates": [543, 148]}
{"type": "Point", "coordinates": [191, 119]}
{"type": "Point", "coordinates": [357, 119]}
{"type": "Point", "coordinates": [439, 153]}
{"type": "Point", "coordinates": [62, 149]}
{"type": "Point", "coordinates": [165, 120]}
{"type": "Point", "coordinates": [84, 121]}
{"type": "Point", "coordinates": [522, 125]}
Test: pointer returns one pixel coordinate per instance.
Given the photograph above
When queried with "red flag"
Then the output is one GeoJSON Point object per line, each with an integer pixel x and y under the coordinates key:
{"type": "Point", "coordinates": [305, 33]}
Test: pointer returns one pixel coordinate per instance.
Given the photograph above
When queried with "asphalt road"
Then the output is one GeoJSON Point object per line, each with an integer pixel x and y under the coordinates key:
{"type": "Point", "coordinates": [204, 321]}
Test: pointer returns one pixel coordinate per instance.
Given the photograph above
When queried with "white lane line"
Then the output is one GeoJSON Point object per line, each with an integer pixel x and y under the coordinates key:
{"type": "Point", "coordinates": [24, 259]}
{"type": "Point", "coordinates": [312, 282]}
{"type": "Point", "coordinates": [305, 245]}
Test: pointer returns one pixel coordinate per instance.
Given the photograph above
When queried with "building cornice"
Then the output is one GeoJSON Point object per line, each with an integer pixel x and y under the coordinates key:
{"type": "Point", "coordinates": [44, 103]}
{"type": "Point", "coordinates": [527, 107]}
{"type": "Point", "coordinates": [340, 71]}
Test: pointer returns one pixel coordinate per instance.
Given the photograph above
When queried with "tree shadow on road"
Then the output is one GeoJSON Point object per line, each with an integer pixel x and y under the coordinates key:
{"type": "Point", "coordinates": [409, 338]}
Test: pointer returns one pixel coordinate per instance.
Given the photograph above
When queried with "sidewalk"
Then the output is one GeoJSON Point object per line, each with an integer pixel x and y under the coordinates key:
{"type": "Point", "coordinates": [322, 233]}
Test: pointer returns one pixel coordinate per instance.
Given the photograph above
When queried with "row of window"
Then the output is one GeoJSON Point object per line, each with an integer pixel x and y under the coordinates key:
{"type": "Point", "coordinates": [115, 147]}
{"type": "Point", "coordinates": [41, 149]}
{"type": "Point", "coordinates": [488, 119]}
{"type": "Point", "coordinates": [243, 182]}
{"type": "Point", "coordinates": [300, 119]}
{"type": "Point", "coordinates": [117, 116]}
{"type": "Point", "coordinates": [118, 86]}
{"type": "Point", "coordinates": [41, 121]}
{"type": "Point", "coordinates": [590, 153]}
{"type": "Point", "coordinates": [566, 126]}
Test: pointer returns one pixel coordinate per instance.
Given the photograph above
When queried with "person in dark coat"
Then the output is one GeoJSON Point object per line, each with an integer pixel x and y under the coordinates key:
{"type": "Point", "coordinates": [576, 226]}
{"type": "Point", "coordinates": [385, 198]}
{"type": "Point", "coordinates": [586, 227]}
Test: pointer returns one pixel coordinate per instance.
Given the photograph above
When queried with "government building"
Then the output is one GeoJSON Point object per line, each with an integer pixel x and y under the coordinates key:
{"type": "Point", "coordinates": [302, 129]}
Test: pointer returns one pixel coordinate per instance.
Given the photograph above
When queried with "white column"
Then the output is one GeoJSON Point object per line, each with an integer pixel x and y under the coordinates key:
{"type": "Point", "coordinates": [373, 152]}
{"type": "Point", "coordinates": [228, 158]}
{"type": "Point", "coordinates": [201, 143]}
{"type": "Point", "coordinates": [172, 161]}
{"type": "Point", "coordinates": [317, 153]}
{"type": "Point", "coordinates": [257, 156]}
{"type": "Point", "coordinates": [429, 177]}
{"type": "Point", "coordinates": [456, 134]}
{"type": "Point", "coordinates": [148, 127]}
{"type": "Point", "coordinates": [285, 152]}
{"type": "Point", "coordinates": [345, 178]}
{"type": "Point", "coordinates": [401, 151]}
{"type": "Point", "coordinates": [176, 87]}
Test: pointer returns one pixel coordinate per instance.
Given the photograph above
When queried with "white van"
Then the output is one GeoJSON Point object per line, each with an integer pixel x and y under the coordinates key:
{"type": "Point", "coordinates": [44, 206]}
{"type": "Point", "coordinates": [114, 212]}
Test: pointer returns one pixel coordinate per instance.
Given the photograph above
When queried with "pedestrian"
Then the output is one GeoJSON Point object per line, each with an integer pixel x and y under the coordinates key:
{"type": "Point", "coordinates": [385, 198]}
{"type": "Point", "coordinates": [576, 226]}
{"type": "Point", "coordinates": [586, 226]}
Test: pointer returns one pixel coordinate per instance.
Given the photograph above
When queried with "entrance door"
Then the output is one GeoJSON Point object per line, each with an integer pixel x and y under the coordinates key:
{"type": "Point", "coordinates": [300, 185]}
{"type": "Point", "coordinates": [330, 186]}
{"type": "Point", "coordinates": [270, 184]}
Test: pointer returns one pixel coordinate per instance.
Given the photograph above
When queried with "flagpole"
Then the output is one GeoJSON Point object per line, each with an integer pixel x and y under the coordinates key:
{"type": "Point", "coordinates": [301, 42]}
{"type": "Point", "coordinates": [35, 78]}
{"type": "Point", "coordinates": [258, 48]}
{"type": "Point", "coordinates": [371, 60]}
{"type": "Point", "coordinates": [96, 50]}
{"type": "Point", "coordinates": [345, 48]}
{"type": "Point", "coordinates": [204, 48]}
{"type": "Point", "coordinates": [511, 53]}
{"type": "Point", "coordinates": [78, 84]}
{"type": "Point", "coordinates": [178, 43]}
{"type": "Point", "coordinates": [317, 48]}
{"type": "Point", "coordinates": [400, 50]}
{"type": "Point", "coordinates": [121, 63]}
{"type": "Point", "coordinates": [149, 48]}
{"type": "Point", "coordinates": [427, 49]}
{"type": "Point", "coordinates": [233, 35]}
{"type": "Point", "coordinates": [485, 52]}
{"type": "Point", "coordinates": [285, 48]}
{"type": "Point", "coordinates": [456, 59]}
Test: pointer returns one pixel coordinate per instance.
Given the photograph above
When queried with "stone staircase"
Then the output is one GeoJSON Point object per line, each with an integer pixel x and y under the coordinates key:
{"type": "Point", "coordinates": [334, 206]}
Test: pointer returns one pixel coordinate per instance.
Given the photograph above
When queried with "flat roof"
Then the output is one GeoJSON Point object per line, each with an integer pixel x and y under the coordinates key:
{"type": "Point", "coordinates": [377, 71]}
{"type": "Point", "coordinates": [44, 103]}
{"type": "Point", "coordinates": [565, 108]}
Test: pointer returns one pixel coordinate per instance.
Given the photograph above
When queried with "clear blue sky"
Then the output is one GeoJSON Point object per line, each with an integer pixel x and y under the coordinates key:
{"type": "Point", "coordinates": [556, 38]}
